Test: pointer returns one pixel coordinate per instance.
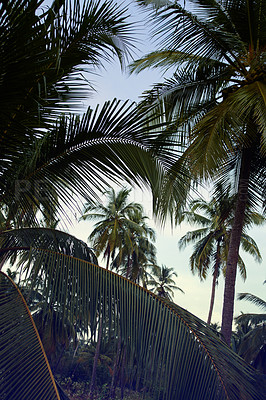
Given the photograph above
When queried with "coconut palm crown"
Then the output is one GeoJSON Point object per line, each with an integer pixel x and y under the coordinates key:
{"type": "Point", "coordinates": [215, 101]}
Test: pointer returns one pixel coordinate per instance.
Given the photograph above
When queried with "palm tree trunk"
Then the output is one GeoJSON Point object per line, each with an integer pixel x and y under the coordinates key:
{"type": "Point", "coordinates": [123, 378]}
{"type": "Point", "coordinates": [95, 361]}
{"type": "Point", "coordinates": [108, 257]}
{"type": "Point", "coordinates": [233, 251]}
{"type": "Point", "coordinates": [116, 363]}
{"type": "Point", "coordinates": [214, 281]}
{"type": "Point", "coordinates": [128, 266]}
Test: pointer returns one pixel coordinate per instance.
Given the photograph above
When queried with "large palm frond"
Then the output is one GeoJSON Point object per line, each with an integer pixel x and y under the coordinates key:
{"type": "Point", "coordinates": [21, 240]}
{"type": "Point", "coordinates": [166, 344]}
{"type": "Point", "coordinates": [25, 371]}
{"type": "Point", "coordinates": [81, 155]}
{"type": "Point", "coordinates": [220, 27]}
{"type": "Point", "coordinates": [45, 50]}
{"type": "Point", "coordinates": [48, 47]}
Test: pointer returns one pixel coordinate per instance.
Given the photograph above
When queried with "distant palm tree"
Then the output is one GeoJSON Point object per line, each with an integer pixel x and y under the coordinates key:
{"type": "Point", "coordinates": [251, 333]}
{"type": "Point", "coordinates": [114, 228]}
{"type": "Point", "coordinates": [137, 255]}
{"type": "Point", "coordinates": [162, 282]}
{"type": "Point", "coordinates": [212, 239]}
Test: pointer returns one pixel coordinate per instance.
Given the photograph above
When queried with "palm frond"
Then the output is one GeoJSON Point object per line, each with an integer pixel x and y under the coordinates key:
{"type": "Point", "coordinates": [81, 156]}
{"type": "Point", "coordinates": [47, 49]}
{"type": "Point", "coordinates": [25, 371]}
{"type": "Point", "coordinates": [193, 218]}
{"type": "Point", "coordinates": [250, 246]}
{"type": "Point", "coordinates": [201, 31]}
{"type": "Point", "coordinates": [191, 90]}
{"type": "Point", "coordinates": [241, 267]}
{"type": "Point", "coordinates": [253, 299]}
{"type": "Point", "coordinates": [253, 345]}
{"type": "Point", "coordinates": [162, 338]}
{"type": "Point", "coordinates": [23, 239]}
{"type": "Point", "coordinates": [192, 236]}
{"type": "Point", "coordinates": [200, 259]}
{"type": "Point", "coordinates": [254, 319]}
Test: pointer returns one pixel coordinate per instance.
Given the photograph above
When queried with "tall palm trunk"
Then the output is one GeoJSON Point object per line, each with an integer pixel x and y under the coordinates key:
{"type": "Point", "coordinates": [233, 251]}
{"type": "Point", "coordinates": [214, 280]}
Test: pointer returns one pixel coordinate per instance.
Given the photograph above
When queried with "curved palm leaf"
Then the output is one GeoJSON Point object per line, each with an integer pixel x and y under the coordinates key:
{"type": "Point", "coordinates": [61, 41]}
{"type": "Point", "coordinates": [46, 47]}
{"type": "Point", "coordinates": [23, 239]}
{"type": "Point", "coordinates": [81, 155]}
{"type": "Point", "coordinates": [253, 299]}
{"type": "Point", "coordinates": [165, 343]}
{"type": "Point", "coordinates": [25, 371]}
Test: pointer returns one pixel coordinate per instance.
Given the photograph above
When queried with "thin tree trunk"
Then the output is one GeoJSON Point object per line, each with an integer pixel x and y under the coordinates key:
{"type": "Point", "coordinates": [128, 266]}
{"type": "Point", "coordinates": [233, 252]}
{"type": "Point", "coordinates": [123, 378]}
{"type": "Point", "coordinates": [108, 257]}
{"type": "Point", "coordinates": [116, 363]}
{"type": "Point", "coordinates": [95, 361]}
{"type": "Point", "coordinates": [214, 282]}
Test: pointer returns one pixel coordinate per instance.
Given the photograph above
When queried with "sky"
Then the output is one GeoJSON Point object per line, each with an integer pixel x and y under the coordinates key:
{"type": "Point", "coordinates": [112, 83]}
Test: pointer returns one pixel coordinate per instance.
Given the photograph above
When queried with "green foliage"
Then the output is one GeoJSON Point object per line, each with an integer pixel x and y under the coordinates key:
{"type": "Point", "coordinates": [122, 235]}
{"type": "Point", "coordinates": [250, 336]}
{"type": "Point", "coordinates": [154, 332]}
{"type": "Point", "coordinates": [78, 390]}
{"type": "Point", "coordinates": [20, 240]}
{"type": "Point", "coordinates": [25, 371]}
{"type": "Point", "coordinates": [50, 158]}
{"type": "Point", "coordinates": [214, 219]}
{"type": "Point", "coordinates": [215, 104]}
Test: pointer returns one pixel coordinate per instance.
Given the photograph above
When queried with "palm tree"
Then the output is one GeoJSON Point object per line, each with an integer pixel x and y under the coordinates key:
{"type": "Point", "coordinates": [114, 237]}
{"type": "Point", "coordinates": [44, 157]}
{"type": "Point", "coordinates": [139, 252]}
{"type": "Point", "coordinates": [215, 102]}
{"type": "Point", "coordinates": [163, 282]}
{"type": "Point", "coordinates": [251, 343]}
{"type": "Point", "coordinates": [114, 230]}
{"type": "Point", "coordinates": [212, 239]}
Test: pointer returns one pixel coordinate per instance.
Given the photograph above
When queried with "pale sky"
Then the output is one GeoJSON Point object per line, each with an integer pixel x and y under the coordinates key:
{"type": "Point", "coordinates": [112, 83]}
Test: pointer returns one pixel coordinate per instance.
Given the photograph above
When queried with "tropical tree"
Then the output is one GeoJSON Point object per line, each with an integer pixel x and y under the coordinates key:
{"type": "Point", "coordinates": [112, 236]}
{"type": "Point", "coordinates": [215, 102]}
{"type": "Point", "coordinates": [212, 239]}
{"type": "Point", "coordinates": [137, 256]}
{"type": "Point", "coordinates": [163, 282]}
{"type": "Point", "coordinates": [113, 233]}
{"type": "Point", "coordinates": [251, 333]}
{"type": "Point", "coordinates": [44, 160]}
